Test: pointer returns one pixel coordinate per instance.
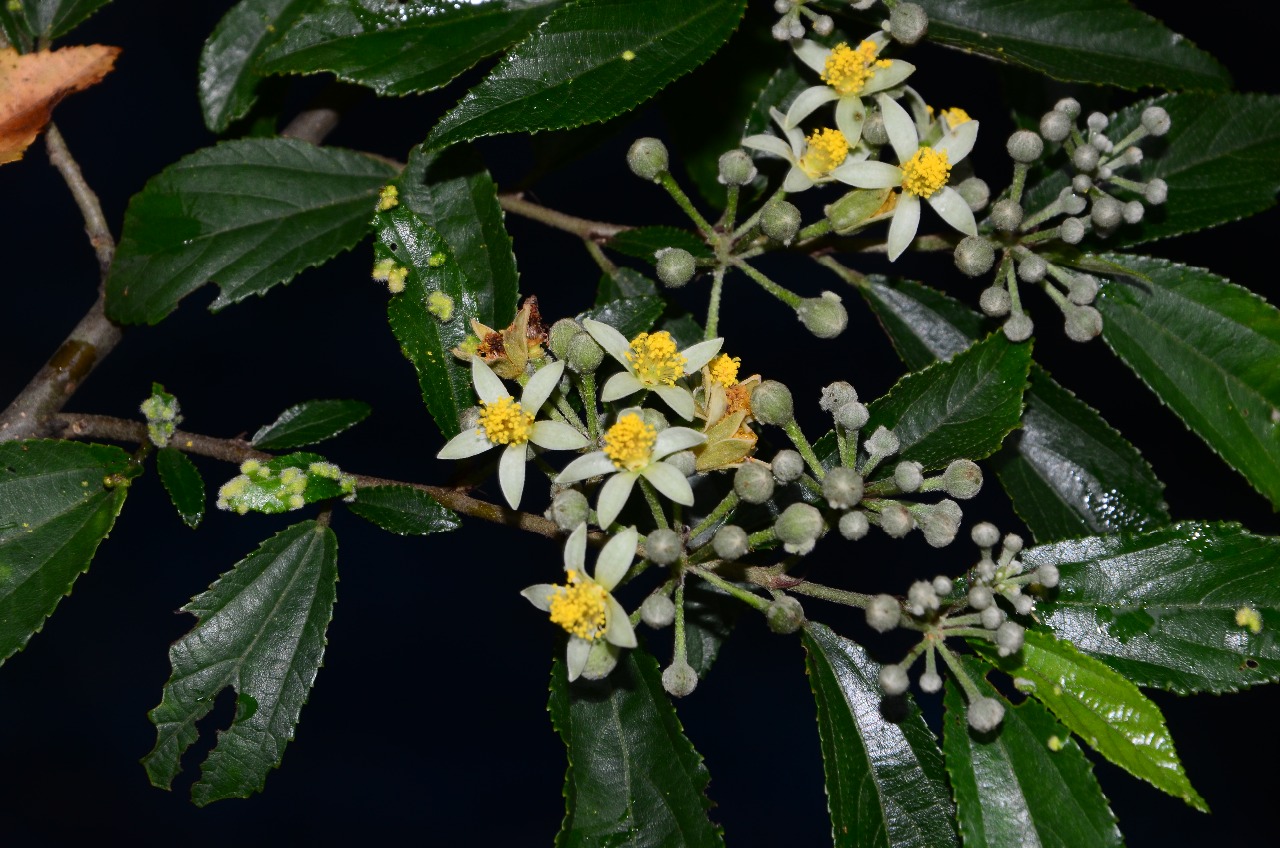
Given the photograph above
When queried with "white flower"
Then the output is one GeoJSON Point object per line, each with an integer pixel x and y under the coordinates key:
{"type": "Point", "coordinates": [506, 421]}
{"type": "Point", "coordinates": [850, 74]}
{"type": "Point", "coordinates": [653, 363]}
{"type": "Point", "coordinates": [633, 449]}
{"type": "Point", "coordinates": [585, 608]}
{"type": "Point", "coordinates": [922, 174]}
{"type": "Point", "coordinates": [820, 158]}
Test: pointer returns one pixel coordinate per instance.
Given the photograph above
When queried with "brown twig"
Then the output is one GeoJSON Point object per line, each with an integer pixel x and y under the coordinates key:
{"type": "Point", "coordinates": [596, 231]}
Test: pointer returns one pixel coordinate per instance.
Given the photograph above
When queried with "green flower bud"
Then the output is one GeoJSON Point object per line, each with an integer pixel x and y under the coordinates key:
{"type": "Point", "coordinates": [1068, 106]}
{"type": "Point", "coordinates": [601, 660]}
{"type": "Point", "coordinates": [823, 316]}
{"type": "Point", "coordinates": [798, 527]}
{"type": "Point", "coordinates": [663, 546]}
{"type": "Point", "coordinates": [1032, 269]}
{"type": "Point", "coordinates": [685, 462]}
{"type": "Point", "coordinates": [995, 301]}
{"type": "Point", "coordinates": [962, 479]}
{"type": "Point", "coordinates": [647, 158]}
{"type": "Point", "coordinates": [985, 714]}
{"type": "Point", "coordinates": [992, 617]}
{"type": "Point", "coordinates": [823, 25]}
{"type": "Point", "coordinates": [583, 355]}
{"type": "Point", "coordinates": [1134, 212]}
{"type": "Point", "coordinates": [873, 131]}
{"type": "Point", "coordinates": [780, 221]}
{"type": "Point", "coordinates": [1083, 324]}
{"type": "Point", "coordinates": [974, 256]}
{"type": "Point", "coordinates": [1025, 146]}
{"type": "Point", "coordinates": [1009, 638]}
{"type": "Point", "coordinates": [883, 613]}
{"type": "Point", "coordinates": [1081, 183]}
{"type": "Point", "coordinates": [855, 208]}
{"type": "Point", "coordinates": [922, 598]}
{"type": "Point", "coordinates": [893, 679]}
{"type": "Point", "coordinates": [1055, 125]}
{"type": "Point", "coordinates": [908, 23]}
{"type": "Point", "coordinates": [985, 534]}
{"type": "Point", "coordinates": [939, 522]}
{"type": "Point", "coordinates": [1082, 289]}
{"type": "Point", "coordinates": [1019, 327]}
{"type": "Point", "coordinates": [1156, 192]}
{"type": "Point", "coordinates": [730, 542]}
{"type": "Point", "coordinates": [736, 168]}
{"type": "Point", "coordinates": [1071, 231]}
{"type": "Point", "coordinates": [753, 482]}
{"type": "Point", "coordinates": [930, 682]}
{"type": "Point", "coordinates": [854, 526]}
{"type": "Point", "coordinates": [975, 192]}
{"type": "Point", "coordinates": [1155, 120]}
{"type": "Point", "coordinates": [784, 615]}
{"type": "Point", "coordinates": [842, 488]}
{"type": "Point", "coordinates": [771, 403]}
{"type": "Point", "coordinates": [654, 419]}
{"type": "Point", "coordinates": [852, 415]}
{"type": "Point", "coordinates": [1006, 215]}
{"type": "Point", "coordinates": [896, 521]}
{"type": "Point", "coordinates": [908, 475]}
{"type": "Point", "coordinates": [787, 466]}
{"type": "Point", "coordinates": [1024, 604]}
{"type": "Point", "coordinates": [675, 266]}
{"type": "Point", "coordinates": [1097, 122]}
{"type": "Point", "coordinates": [882, 442]}
{"type": "Point", "coordinates": [837, 395]}
{"type": "Point", "coordinates": [657, 611]}
{"type": "Point", "coordinates": [560, 334]}
{"type": "Point", "coordinates": [679, 679]}
{"type": "Point", "coordinates": [1085, 158]}
{"type": "Point", "coordinates": [981, 597]}
{"type": "Point", "coordinates": [1012, 542]}
{"type": "Point", "coordinates": [1107, 212]}
{"type": "Point", "coordinates": [1047, 576]}
{"type": "Point", "coordinates": [569, 509]}
{"type": "Point", "coordinates": [943, 585]}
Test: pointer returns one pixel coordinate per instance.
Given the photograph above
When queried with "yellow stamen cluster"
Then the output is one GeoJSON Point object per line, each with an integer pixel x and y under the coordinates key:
{"type": "Point", "coordinates": [724, 370]}
{"type": "Point", "coordinates": [1248, 617]}
{"type": "Point", "coordinates": [505, 422]}
{"type": "Point", "coordinates": [827, 149]}
{"type": "Point", "coordinates": [925, 172]}
{"type": "Point", "coordinates": [388, 198]}
{"type": "Point", "coordinates": [955, 116]}
{"type": "Point", "coordinates": [655, 359]}
{"type": "Point", "coordinates": [580, 607]}
{"type": "Point", "coordinates": [629, 443]}
{"type": "Point", "coordinates": [847, 70]}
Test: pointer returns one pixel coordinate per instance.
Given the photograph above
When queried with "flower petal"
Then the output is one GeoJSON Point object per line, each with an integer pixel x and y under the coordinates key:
{"type": "Point", "coordinates": [575, 656]}
{"type": "Point", "coordinates": [807, 102]}
{"type": "Point", "coordinates": [540, 386]}
{"type": "Point", "coordinates": [620, 385]}
{"type": "Point", "coordinates": [668, 480]}
{"type": "Point", "coordinates": [556, 435]}
{"type": "Point", "coordinates": [602, 659]}
{"type": "Point", "coordinates": [614, 343]}
{"type": "Point", "coordinates": [948, 203]}
{"type": "Point", "coordinates": [880, 39]}
{"type": "Point", "coordinates": [812, 54]}
{"type": "Point", "coordinates": [902, 229]}
{"type": "Point", "coordinates": [575, 549]}
{"type": "Point", "coordinates": [511, 473]}
{"type": "Point", "coordinates": [680, 400]}
{"type": "Point", "coordinates": [869, 174]}
{"type": "Point", "coordinates": [882, 78]}
{"type": "Point", "coordinates": [594, 464]}
{"type": "Point", "coordinates": [769, 144]}
{"type": "Point", "coordinates": [675, 439]}
{"type": "Point", "coordinates": [850, 113]}
{"type": "Point", "coordinates": [615, 558]}
{"type": "Point", "coordinates": [796, 181]}
{"type": "Point", "coordinates": [700, 354]}
{"type": "Point", "coordinates": [488, 384]}
{"type": "Point", "coordinates": [900, 127]}
{"type": "Point", "coordinates": [613, 497]}
{"type": "Point", "coordinates": [465, 444]}
{"type": "Point", "coordinates": [540, 595]}
{"type": "Point", "coordinates": [959, 141]}
{"type": "Point", "coordinates": [620, 631]}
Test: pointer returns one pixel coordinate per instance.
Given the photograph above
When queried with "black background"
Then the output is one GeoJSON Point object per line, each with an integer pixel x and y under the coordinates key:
{"type": "Point", "coordinates": [427, 723]}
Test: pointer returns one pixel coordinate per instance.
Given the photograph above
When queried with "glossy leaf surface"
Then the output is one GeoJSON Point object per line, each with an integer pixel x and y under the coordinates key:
{"type": "Point", "coordinates": [631, 316]}
{"type": "Point", "coordinates": [403, 510]}
{"type": "Point", "coordinates": [183, 482]}
{"type": "Point", "coordinates": [310, 422]}
{"type": "Point", "coordinates": [645, 242]}
{"type": "Point", "coordinates": [51, 18]}
{"type": "Point", "coordinates": [709, 617]}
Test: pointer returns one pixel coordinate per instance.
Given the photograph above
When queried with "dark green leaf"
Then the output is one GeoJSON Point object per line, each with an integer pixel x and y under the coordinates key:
{"type": "Point", "coordinates": [54, 18]}
{"type": "Point", "coordinates": [400, 48]}
{"type": "Point", "coordinates": [633, 778]}
{"type": "Point", "coordinates": [1027, 783]}
{"type": "Point", "coordinates": [1097, 41]}
{"type": "Point", "coordinates": [310, 422]}
{"type": "Point", "coordinates": [1161, 608]}
{"type": "Point", "coordinates": [58, 500]}
{"type": "Point", "coordinates": [1067, 471]}
{"type": "Point", "coordinates": [260, 630]}
{"type": "Point", "coordinates": [778, 93]}
{"type": "Point", "coordinates": [283, 484]}
{"type": "Point", "coordinates": [246, 214]}
{"type": "Point", "coordinates": [1208, 349]}
{"type": "Point", "coordinates": [1221, 159]}
{"type": "Point", "coordinates": [455, 193]}
{"type": "Point", "coordinates": [403, 510]}
{"type": "Point", "coordinates": [424, 338]}
{"type": "Point", "coordinates": [183, 482]}
{"type": "Point", "coordinates": [962, 408]}
{"type": "Point", "coordinates": [591, 60]}
{"type": "Point", "coordinates": [1102, 707]}
{"type": "Point", "coordinates": [629, 317]}
{"type": "Point", "coordinates": [227, 79]}
{"type": "Point", "coordinates": [709, 617]}
{"type": "Point", "coordinates": [644, 242]}
{"type": "Point", "coordinates": [885, 781]}
{"type": "Point", "coordinates": [624, 283]}
{"type": "Point", "coordinates": [685, 330]}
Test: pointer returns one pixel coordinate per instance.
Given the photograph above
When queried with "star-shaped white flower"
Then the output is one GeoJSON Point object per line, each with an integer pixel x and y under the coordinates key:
{"type": "Point", "coordinates": [849, 74]}
{"type": "Point", "coordinates": [633, 449]}
{"type": "Point", "coordinates": [652, 362]}
{"type": "Point", "coordinates": [922, 174]}
{"type": "Point", "coordinates": [506, 421]}
{"type": "Point", "coordinates": [821, 157]}
{"type": "Point", "coordinates": [594, 619]}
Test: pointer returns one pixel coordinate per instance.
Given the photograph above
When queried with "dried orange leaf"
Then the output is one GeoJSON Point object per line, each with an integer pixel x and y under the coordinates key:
{"type": "Point", "coordinates": [32, 84]}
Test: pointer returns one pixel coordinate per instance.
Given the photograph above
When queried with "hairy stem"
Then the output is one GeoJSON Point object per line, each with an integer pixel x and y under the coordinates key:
{"type": "Point", "coordinates": [597, 231]}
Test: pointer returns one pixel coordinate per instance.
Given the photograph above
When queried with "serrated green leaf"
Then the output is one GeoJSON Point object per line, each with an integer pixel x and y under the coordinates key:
{"type": "Point", "coordinates": [1208, 349]}
{"type": "Point", "coordinates": [424, 338]}
{"type": "Point", "coordinates": [53, 18]}
{"type": "Point", "coordinates": [1096, 41]}
{"type": "Point", "coordinates": [591, 60]}
{"type": "Point", "coordinates": [247, 214]}
{"type": "Point", "coordinates": [1161, 607]}
{"type": "Point", "coordinates": [310, 422]}
{"type": "Point", "coordinates": [1067, 471]}
{"type": "Point", "coordinates": [184, 484]}
{"type": "Point", "coordinates": [962, 408]}
{"type": "Point", "coordinates": [283, 484]}
{"type": "Point", "coordinates": [399, 48]}
{"type": "Point", "coordinates": [633, 777]}
{"type": "Point", "coordinates": [454, 191]}
{"type": "Point", "coordinates": [1100, 706]}
{"type": "Point", "coordinates": [227, 77]}
{"type": "Point", "coordinates": [260, 630]}
{"type": "Point", "coordinates": [709, 617]}
{"type": "Point", "coordinates": [1017, 785]}
{"type": "Point", "coordinates": [644, 242]}
{"type": "Point", "coordinates": [624, 283]}
{"type": "Point", "coordinates": [630, 317]}
{"type": "Point", "coordinates": [403, 510]}
{"type": "Point", "coordinates": [778, 93]}
{"type": "Point", "coordinates": [685, 330]}
{"type": "Point", "coordinates": [885, 781]}
{"type": "Point", "coordinates": [1221, 159]}
{"type": "Point", "coordinates": [58, 501]}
